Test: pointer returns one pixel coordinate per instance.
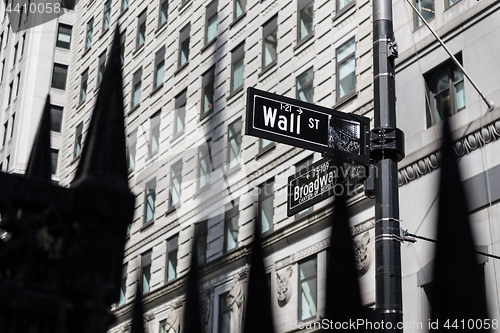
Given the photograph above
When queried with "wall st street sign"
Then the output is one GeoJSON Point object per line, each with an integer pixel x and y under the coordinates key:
{"type": "Point", "coordinates": [343, 136]}
{"type": "Point", "coordinates": [321, 180]}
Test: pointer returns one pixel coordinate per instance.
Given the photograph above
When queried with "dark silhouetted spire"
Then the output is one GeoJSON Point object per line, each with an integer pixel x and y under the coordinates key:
{"type": "Point", "coordinates": [137, 314]}
{"type": "Point", "coordinates": [343, 299]}
{"type": "Point", "coordinates": [192, 311]}
{"type": "Point", "coordinates": [258, 315]}
{"type": "Point", "coordinates": [103, 154]}
{"type": "Point", "coordinates": [39, 164]}
{"type": "Point", "coordinates": [458, 289]}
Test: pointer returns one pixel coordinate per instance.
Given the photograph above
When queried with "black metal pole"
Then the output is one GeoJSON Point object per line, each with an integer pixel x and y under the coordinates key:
{"type": "Point", "coordinates": [387, 144]}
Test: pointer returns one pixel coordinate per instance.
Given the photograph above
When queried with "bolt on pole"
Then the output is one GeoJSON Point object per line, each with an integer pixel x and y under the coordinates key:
{"type": "Point", "coordinates": [387, 143]}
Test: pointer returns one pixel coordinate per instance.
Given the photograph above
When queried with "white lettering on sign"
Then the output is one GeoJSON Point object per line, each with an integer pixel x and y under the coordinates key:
{"type": "Point", "coordinates": [313, 123]}
{"type": "Point", "coordinates": [289, 124]}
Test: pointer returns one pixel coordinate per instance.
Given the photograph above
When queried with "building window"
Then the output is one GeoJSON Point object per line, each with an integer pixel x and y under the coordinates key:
{"type": "Point", "coordinates": [270, 43]}
{"type": "Point", "coordinates": [12, 126]}
{"type": "Point", "coordinates": [175, 184]}
{"type": "Point", "coordinates": [305, 90]}
{"type": "Point", "coordinates": [305, 19]}
{"type": "Point", "coordinates": [240, 7]}
{"type": "Point", "coordinates": [122, 46]}
{"type": "Point", "coordinates": [211, 22]}
{"type": "Point", "coordinates": [346, 69]}
{"type": "Point", "coordinates": [154, 133]}
{"type": "Point", "coordinates": [183, 2]}
{"type": "Point", "coordinates": [343, 4]}
{"type": "Point", "coordinates": [78, 140]}
{"type": "Point", "coordinates": [63, 36]}
{"type": "Point", "coordinates": [204, 164]}
{"type": "Point", "coordinates": [445, 92]}
{"type": "Point", "coordinates": [101, 68]}
{"type": "Point", "coordinates": [14, 59]}
{"type": "Point", "coordinates": [163, 12]}
{"type": "Point", "coordinates": [7, 34]}
{"type": "Point", "coordinates": [18, 83]}
{"type": "Point", "coordinates": [24, 42]}
{"type": "Point", "coordinates": [7, 163]}
{"type": "Point", "coordinates": [54, 153]}
{"type": "Point", "coordinates": [123, 286]}
{"type": "Point", "coordinates": [159, 68]}
{"type": "Point", "coordinates": [141, 29]}
{"type": "Point", "coordinates": [231, 228]}
{"type": "Point", "coordinates": [207, 99]}
{"type": "Point", "coordinates": [3, 68]}
{"type": "Point", "coordinates": [303, 165]}
{"type": "Point", "coordinates": [149, 201]}
{"type": "Point", "coordinates": [201, 232]}
{"type": "Point", "coordinates": [172, 245]}
{"type": "Point", "coordinates": [450, 3]}
{"type": "Point", "coordinates": [5, 128]}
{"type": "Point", "coordinates": [83, 86]}
{"type": "Point", "coordinates": [107, 15]}
{"type": "Point", "coordinates": [56, 113]}
{"type": "Point", "coordinates": [237, 65]}
{"type": "Point", "coordinates": [90, 31]}
{"type": "Point", "coordinates": [266, 206]}
{"type": "Point", "coordinates": [234, 144]}
{"type": "Point", "coordinates": [11, 87]}
{"type": "Point", "coordinates": [224, 323]}
{"type": "Point", "coordinates": [59, 74]}
{"type": "Point", "coordinates": [184, 45]}
{"type": "Point", "coordinates": [145, 276]}
{"type": "Point", "coordinates": [131, 150]}
{"type": "Point", "coordinates": [180, 113]}
{"type": "Point", "coordinates": [426, 9]}
{"type": "Point", "coordinates": [136, 92]}
{"type": "Point", "coordinates": [265, 144]}
{"type": "Point", "coordinates": [308, 289]}
{"type": "Point", "coordinates": [124, 5]}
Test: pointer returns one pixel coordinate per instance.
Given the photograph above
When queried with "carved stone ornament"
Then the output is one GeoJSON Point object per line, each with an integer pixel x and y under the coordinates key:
{"type": "Point", "coordinates": [207, 310]}
{"type": "Point", "coordinates": [284, 284]}
{"type": "Point", "coordinates": [363, 254]}
{"type": "Point", "coordinates": [173, 322]}
{"type": "Point", "coordinates": [236, 302]}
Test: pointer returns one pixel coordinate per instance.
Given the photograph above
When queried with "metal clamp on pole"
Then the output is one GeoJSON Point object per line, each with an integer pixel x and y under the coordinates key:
{"type": "Point", "coordinates": [385, 141]}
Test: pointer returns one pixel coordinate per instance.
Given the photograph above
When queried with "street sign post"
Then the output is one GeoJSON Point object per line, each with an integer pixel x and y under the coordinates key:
{"type": "Point", "coordinates": [343, 136]}
{"type": "Point", "coordinates": [323, 179]}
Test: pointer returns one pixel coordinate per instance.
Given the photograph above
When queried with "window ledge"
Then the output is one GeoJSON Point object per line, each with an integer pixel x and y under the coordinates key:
{"type": "Point", "coordinates": [172, 209]}
{"type": "Point", "coordinates": [122, 12]}
{"type": "Point", "coordinates": [343, 10]}
{"type": "Point", "coordinates": [155, 90]}
{"type": "Point", "coordinates": [208, 45]}
{"type": "Point", "coordinates": [147, 225]}
{"type": "Point", "coordinates": [184, 6]}
{"type": "Point", "coordinates": [177, 136]}
{"type": "Point", "coordinates": [234, 93]}
{"type": "Point", "coordinates": [266, 150]}
{"type": "Point", "coordinates": [134, 108]}
{"type": "Point", "coordinates": [104, 32]}
{"type": "Point", "coordinates": [206, 114]}
{"type": "Point", "coordinates": [235, 21]}
{"type": "Point", "coordinates": [79, 107]}
{"type": "Point", "coordinates": [181, 68]}
{"type": "Point", "coordinates": [346, 100]}
{"type": "Point", "coordinates": [86, 51]}
{"type": "Point", "coordinates": [423, 24]}
{"type": "Point", "coordinates": [138, 50]}
{"type": "Point", "coordinates": [201, 191]}
{"type": "Point", "coordinates": [233, 170]}
{"type": "Point", "coordinates": [304, 41]}
{"type": "Point", "coordinates": [161, 27]}
{"type": "Point", "coordinates": [269, 69]}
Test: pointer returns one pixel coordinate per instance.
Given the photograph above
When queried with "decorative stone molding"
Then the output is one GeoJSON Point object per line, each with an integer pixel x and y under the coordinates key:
{"type": "Point", "coordinates": [311, 250]}
{"type": "Point", "coordinates": [362, 253]}
{"type": "Point", "coordinates": [462, 146]}
{"type": "Point", "coordinates": [362, 227]}
{"type": "Point", "coordinates": [207, 309]}
{"type": "Point", "coordinates": [282, 263]}
{"type": "Point", "coordinates": [284, 284]}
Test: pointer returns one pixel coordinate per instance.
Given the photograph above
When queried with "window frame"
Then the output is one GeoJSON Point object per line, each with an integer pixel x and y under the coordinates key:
{"type": "Point", "coordinates": [101, 68]}
{"type": "Point", "coordinates": [174, 174]}
{"type": "Point", "coordinates": [11, 88]}
{"type": "Point", "coordinates": [63, 28]}
{"type": "Point", "coordinates": [59, 69]}
{"type": "Point", "coordinates": [184, 37]}
{"type": "Point", "coordinates": [306, 86]}
{"type": "Point", "coordinates": [162, 2]}
{"type": "Point", "coordinates": [223, 300]}
{"type": "Point", "coordinates": [207, 79]}
{"type": "Point", "coordinates": [266, 190]}
{"type": "Point", "coordinates": [149, 192]}
{"type": "Point", "coordinates": [343, 9]}
{"type": "Point", "coordinates": [416, 18]}
{"type": "Point", "coordinates": [18, 84]}
{"type": "Point", "coordinates": [89, 34]}
{"type": "Point", "coordinates": [146, 262]}
{"type": "Point", "coordinates": [235, 2]}
{"type": "Point", "coordinates": [56, 111]}
{"type": "Point", "coordinates": [301, 5]}
{"type": "Point", "coordinates": [136, 81]}
{"type": "Point", "coordinates": [124, 5]}
{"type": "Point", "coordinates": [339, 64]}
{"type": "Point", "coordinates": [268, 29]}
{"type": "Point", "coordinates": [301, 281]}
{"type": "Point", "coordinates": [14, 58]}
{"type": "Point", "coordinates": [180, 103]}
{"type": "Point", "coordinates": [78, 140]}
{"type": "Point", "coordinates": [84, 86]}
{"type": "Point", "coordinates": [5, 131]}
{"type": "Point", "coordinates": [154, 132]}
{"type": "Point", "coordinates": [203, 155]}
{"type": "Point", "coordinates": [131, 150]}
{"type": "Point", "coordinates": [107, 11]}
{"type": "Point", "coordinates": [239, 138]}
{"type": "Point", "coordinates": [141, 22]}
{"type": "Point", "coordinates": [172, 246]}
{"type": "Point", "coordinates": [201, 237]}
{"type": "Point", "coordinates": [123, 285]}
{"type": "Point", "coordinates": [228, 216]}
{"type": "Point", "coordinates": [53, 169]}
{"type": "Point", "coordinates": [210, 12]}
{"type": "Point", "coordinates": [237, 54]}
{"type": "Point", "coordinates": [159, 59]}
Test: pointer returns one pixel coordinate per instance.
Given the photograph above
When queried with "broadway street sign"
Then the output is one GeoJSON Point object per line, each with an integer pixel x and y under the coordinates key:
{"type": "Point", "coordinates": [322, 180]}
{"type": "Point", "coordinates": [338, 135]}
